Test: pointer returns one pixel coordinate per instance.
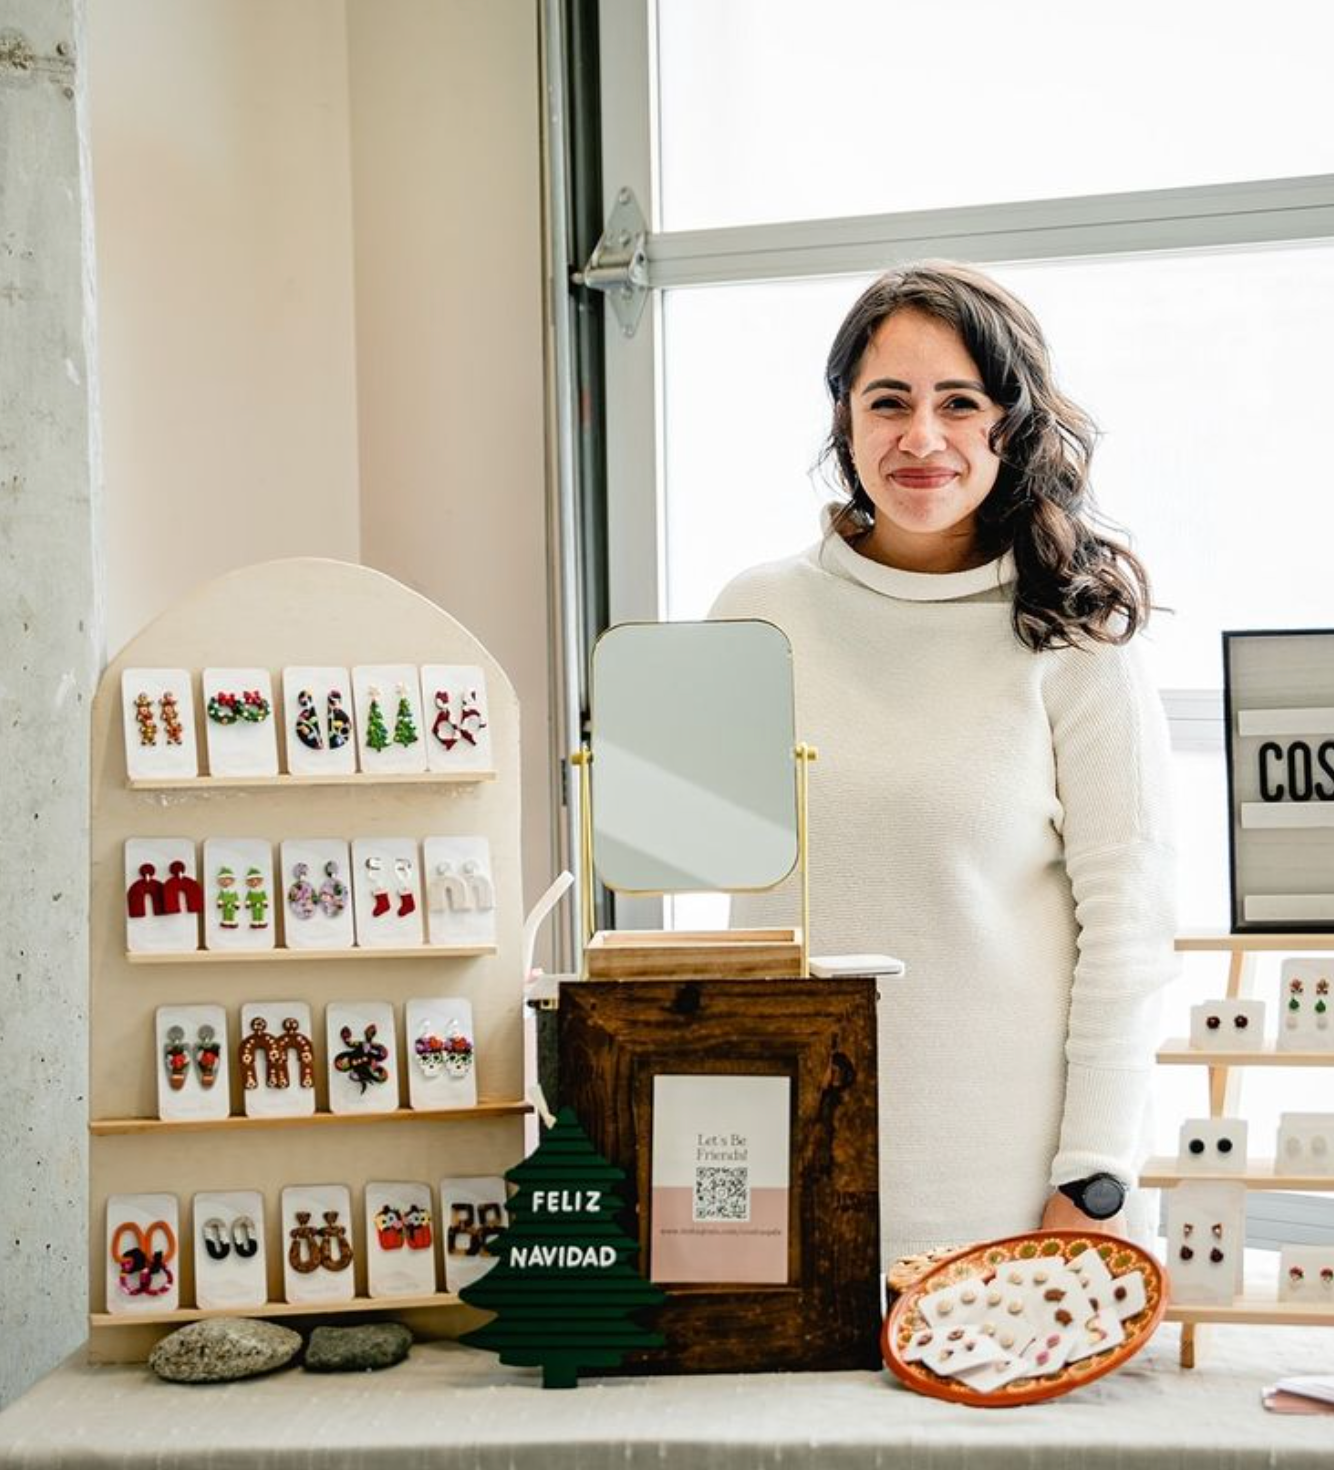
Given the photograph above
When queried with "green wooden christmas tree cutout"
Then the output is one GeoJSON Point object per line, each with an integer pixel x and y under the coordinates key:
{"type": "Point", "coordinates": [405, 727]}
{"type": "Point", "coordinates": [565, 1286]}
{"type": "Point", "coordinates": [377, 734]}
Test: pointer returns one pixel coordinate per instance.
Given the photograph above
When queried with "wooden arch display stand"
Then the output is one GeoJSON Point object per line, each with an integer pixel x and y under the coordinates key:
{"type": "Point", "coordinates": [297, 612]}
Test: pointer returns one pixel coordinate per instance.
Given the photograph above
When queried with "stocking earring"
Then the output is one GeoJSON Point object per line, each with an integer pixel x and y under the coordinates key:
{"type": "Point", "coordinates": [407, 901]}
{"type": "Point", "coordinates": [307, 724]}
{"type": "Point", "coordinates": [379, 893]}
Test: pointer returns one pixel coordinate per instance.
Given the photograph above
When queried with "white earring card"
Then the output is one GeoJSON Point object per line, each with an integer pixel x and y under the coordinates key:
{"type": "Point", "coordinates": [1306, 1274]}
{"type": "Point", "coordinates": [386, 883]}
{"type": "Point", "coordinates": [1306, 1006]}
{"type": "Point", "coordinates": [193, 1079]}
{"type": "Point", "coordinates": [231, 1263]}
{"type": "Point", "coordinates": [238, 894]}
{"type": "Point", "coordinates": [458, 728]}
{"type": "Point", "coordinates": [316, 884]}
{"type": "Point", "coordinates": [1305, 1144]}
{"type": "Point", "coordinates": [240, 722]}
{"type": "Point", "coordinates": [400, 1240]}
{"type": "Point", "coordinates": [1212, 1146]}
{"type": "Point", "coordinates": [363, 1056]}
{"type": "Point", "coordinates": [317, 1237]}
{"type": "Point", "coordinates": [442, 1053]}
{"type": "Point", "coordinates": [158, 713]}
{"type": "Point", "coordinates": [460, 891]}
{"type": "Point", "coordinates": [317, 721]}
{"type": "Point", "coordinates": [163, 896]}
{"type": "Point", "coordinates": [1228, 1025]}
{"type": "Point", "coordinates": [143, 1253]}
{"type": "Point", "coordinates": [389, 719]}
{"type": "Point", "coordinates": [1206, 1226]}
{"type": "Point", "coordinates": [472, 1217]}
{"type": "Point", "coordinates": [275, 1056]}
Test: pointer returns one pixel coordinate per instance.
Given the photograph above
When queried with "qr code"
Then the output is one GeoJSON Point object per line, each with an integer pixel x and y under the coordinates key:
{"type": "Point", "coordinates": [722, 1194]}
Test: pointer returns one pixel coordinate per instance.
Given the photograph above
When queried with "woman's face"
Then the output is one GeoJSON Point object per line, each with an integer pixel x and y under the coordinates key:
{"type": "Point", "coordinates": [919, 424]}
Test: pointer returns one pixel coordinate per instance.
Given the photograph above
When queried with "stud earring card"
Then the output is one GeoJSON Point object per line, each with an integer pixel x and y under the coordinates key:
{"type": "Point", "coordinates": [1305, 1144]}
{"type": "Point", "coordinates": [1212, 1146]}
{"type": "Point", "coordinates": [163, 896]}
{"type": "Point", "coordinates": [192, 1062]}
{"type": "Point", "coordinates": [158, 713]}
{"type": "Point", "coordinates": [317, 721]}
{"type": "Point", "coordinates": [231, 1268]}
{"type": "Point", "coordinates": [238, 894]}
{"type": "Point", "coordinates": [317, 1234]}
{"type": "Point", "coordinates": [459, 728]}
{"type": "Point", "coordinates": [143, 1253]}
{"type": "Point", "coordinates": [460, 891]}
{"type": "Point", "coordinates": [386, 882]}
{"type": "Point", "coordinates": [276, 1059]}
{"type": "Point", "coordinates": [317, 893]}
{"type": "Point", "coordinates": [1306, 1006]}
{"type": "Point", "coordinates": [442, 1051]}
{"type": "Point", "coordinates": [472, 1217]}
{"type": "Point", "coordinates": [240, 722]}
{"type": "Point", "coordinates": [1205, 1236]}
{"type": "Point", "coordinates": [1228, 1025]}
{"type": "Point", "coordinates": [1306, 1274]}
{"type": "Point", "coordinates": [389, 719]}
{"type": "Point", "coordinates": [363, 1056]}
{"type": "Point", "coordinates": [400, 1240]}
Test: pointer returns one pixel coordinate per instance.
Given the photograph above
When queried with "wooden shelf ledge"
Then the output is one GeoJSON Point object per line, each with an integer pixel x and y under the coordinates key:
{"type": "Point", "coordinates": [1178, 1052]}
{"type": "Point", "coordinates": [278, 783]}
{"type": "Point", "coordinates": [1231, 943]}
{"type": "Point", "coordinates": [1163, 1173]}
{"type": "Point", "coordinates": [1254, 1310]}
{"type": "Point", "coordinates": [280, 956]}
{"type": "Point", "coordinates": [102, 1127]}
{"type": "Point", "coordinates": [275, 1309]}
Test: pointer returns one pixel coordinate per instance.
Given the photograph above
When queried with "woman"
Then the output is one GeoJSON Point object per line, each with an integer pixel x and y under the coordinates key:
{"type": "Point", "coordinates": [991, 798]}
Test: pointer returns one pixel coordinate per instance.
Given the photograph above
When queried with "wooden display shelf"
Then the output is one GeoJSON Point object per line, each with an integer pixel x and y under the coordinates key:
{"type": "Point", "coordinates": [1163, 1173]}
{"type": "Point", "coordinates": [275, 1309]}
{"type": "Point", "coordinates": [1256, 1310]}
{"type": "Point", "coordinates": [1220, 943]}
{"type": "Point", "coordinates": [277, 783]}
{"type": "Point", "coordinates": [270, 956]}
{"type": "Point", "coordinates": [1178, 1052]}
{"type": "Point", "coordinates": [103, 1127]}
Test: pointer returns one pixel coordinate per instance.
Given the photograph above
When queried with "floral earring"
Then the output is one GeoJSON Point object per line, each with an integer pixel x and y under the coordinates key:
{"type": "Point", "coordinates": [307, 723]}
{"type": "Point", "coordinates": [333, 891]}
{"type": "Point", "coordinates": [301, 895]}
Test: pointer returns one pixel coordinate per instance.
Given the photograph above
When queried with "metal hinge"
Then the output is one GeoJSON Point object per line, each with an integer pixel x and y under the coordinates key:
{"type": "Point", "coordinates": [619, 262]}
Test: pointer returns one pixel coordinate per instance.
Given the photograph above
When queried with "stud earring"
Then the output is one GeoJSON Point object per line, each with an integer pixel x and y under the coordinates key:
{"type": "Point", "coordinates": [1241, 1022]}
{"type": "Point", "coordinates": [333, 891]}
{"type": "Point", "coordinates": [335, 1247]}
{"type": "Point", "coordinates": [1293, 1147]}
{"type": "Point", "coordinates": [377, 736]}
{"type": "Point", "coordinates": [245, 1237]}
{"type": "Point", "coordinates": [1224, 1145]}
{"type": "Point", "coordinates": [1319, 1146]}
{"type": "Point", "coordinates": [207, 1056]}
{"type": "Point", "coordinates": [405, 727]}
{"type": "Point", "coordinates": [307, 722]}
{"type": "Point", "coordinates": [1213, 1022]}
{"type": "Point", "coordinates": [1186, 1253]}
{"type": "Point", "coordinates": [1196, 1145]}
{"type": "Point", "coordinates": [301, 893]}
{"type": "Point", "coordinates": [171, 718]}
{"type": "Point", "coordinates": [1327, 1275]}
{"type": "Point", "coordinates": [1296, 1275]}
{"type": "Point", "coordinates": [177, 1057]}
{"type": "Point", "coordinates": [407, 901]}
{"type": "Point", "coordinates": [143, 719]}
{"type": "Point", "coordinates": [340, 722]}
{"type": "Point", "coordinates": [212, 1233]}
{"type": "Point", "coordinates": [379, 893]}
{"type": "Point", "coordinates": [303, 1254]}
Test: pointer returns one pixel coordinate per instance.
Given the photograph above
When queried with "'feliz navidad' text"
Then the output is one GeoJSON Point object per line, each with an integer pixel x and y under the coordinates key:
{"type": "Point", "coordinates": [570, 1256]}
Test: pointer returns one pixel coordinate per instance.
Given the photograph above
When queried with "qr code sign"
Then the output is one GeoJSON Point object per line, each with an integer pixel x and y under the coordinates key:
{"type": "Point", "coordinates": [722, 1194]}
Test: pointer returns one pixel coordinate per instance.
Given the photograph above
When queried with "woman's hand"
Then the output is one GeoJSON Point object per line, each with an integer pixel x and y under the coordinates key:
{"type": "Point", "coordinates": [1061, 1213]}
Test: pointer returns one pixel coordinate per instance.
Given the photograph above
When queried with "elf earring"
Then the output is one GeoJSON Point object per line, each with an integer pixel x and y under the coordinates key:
{"type": "Point", "coordinates": [143, 719]}
{"type": "Point", "coordinates": [340, 722]}
{"type": "Point", "coordinates": [171, 718]}
{"type": "Point", "coordinates": [177, 1057]}
{"type": "Point", "coordinates": [207, 1056]}
{"type": "Point", "coordinates": [407, 900]}
{"type": "Point", "coordinates": [405, 727]}
{"type": "Point", "coordinates": [212, 1233]}
{"type": "Point", "coordinates": [333, 891]}
{"type": "Point", "coordinates": [303, 1254]}
{"type": "Point", "coordinates": [335, 1248]}
{"type": "Point", "coordinates": [307, 723]}
{"type": "Point", "coordinates": [301, 893]}
{"type": "Point", "coordinates": [245, 1238]}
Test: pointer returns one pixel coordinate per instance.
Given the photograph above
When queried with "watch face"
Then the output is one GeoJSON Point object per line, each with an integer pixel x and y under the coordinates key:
{"type": "Point", "coordinates": [1103, 1196]}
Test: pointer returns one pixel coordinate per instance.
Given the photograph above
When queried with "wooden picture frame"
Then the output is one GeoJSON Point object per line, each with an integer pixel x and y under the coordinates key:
{"type": "Point", "coordinates": [615, 1038]}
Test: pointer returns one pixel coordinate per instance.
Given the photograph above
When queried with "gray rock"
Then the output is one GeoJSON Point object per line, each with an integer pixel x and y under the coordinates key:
{"type": "Point", "coordinates": [357, 1349]}
{"type": "Point", "coordinates": [221, 1349]}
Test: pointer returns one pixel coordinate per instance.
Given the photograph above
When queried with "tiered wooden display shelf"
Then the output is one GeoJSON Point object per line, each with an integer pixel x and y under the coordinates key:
{"type": "Point", "coordinates": [1224, 1094]}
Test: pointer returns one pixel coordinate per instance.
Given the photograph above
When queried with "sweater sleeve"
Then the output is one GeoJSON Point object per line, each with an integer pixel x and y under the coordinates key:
{"type": "Point", "coordinates": [1109, 737]}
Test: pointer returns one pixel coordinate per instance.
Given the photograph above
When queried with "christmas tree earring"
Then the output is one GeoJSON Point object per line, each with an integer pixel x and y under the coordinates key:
{"type": "Point", "coordinates": [405, 727]}
{"type": "Point", "coordinates": [340, 722]}
{"type": "Point", "coordinates": [377, 735]}
{"type": "Point", "coordinates": [307, 724]}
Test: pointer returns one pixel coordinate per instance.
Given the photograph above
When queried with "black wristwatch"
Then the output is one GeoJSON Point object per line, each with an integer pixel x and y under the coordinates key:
{"type": "Point", "coordinates": [1099, 1196]}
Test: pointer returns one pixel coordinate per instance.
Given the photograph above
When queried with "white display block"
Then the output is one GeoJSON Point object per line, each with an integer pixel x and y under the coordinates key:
{"type": "Point", "coordinates": [472, 1215]}
{"type": "Point", "coordinates": [400, 1240]}
{"type": "Point", "coordinates": [386, 883]}
{"type": "Point", "coordinates": [458, 728]}
{"type": "Point", "coordinates": [276, 1058]}
{"type": "Point", "coordinates": [363, 1056]}
{"type": "Point", "coordinates": [231, 1263]}
{"type": "Point", "coordinates": [1306, 1005]}
{"type": "Point", "coordinates": [318, 730]}
{"type": "Point", "coordinates": [1206, 1227]}
{"type": "Point", "coordinates": [193, 1076]}
{"type": "Point", "coordinates": [318, 1264]}
{"type": "Point", "coordinates": [1212, 1146]}
{"type": "Point", "coordinates": [158, 713]}
{"type": "Point", "coordinates": [163, 896]}
{"type": "Point", "coordinates": [1305, 1144]}
{"type": "Point", "coordinates": [387, 700]}
{"type": "Point", "coordinates": [316, 887]}
{"type": "Point", "coordinates": [240, 722]}
{"type": "Point", "coordinates": [238, 894]}
{"type": "Point", "coordinates": [442, 1053]}
{"type": "Point", "coordinates": [1228, 1025]}
{"type": "Point", "coordinates": [143, 1253]}
{"type": "Point", "coordinates": [460, 891]}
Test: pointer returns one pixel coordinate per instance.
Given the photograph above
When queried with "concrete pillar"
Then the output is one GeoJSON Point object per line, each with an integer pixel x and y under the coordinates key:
{"type": "Point", "coordinates": [50, 650]}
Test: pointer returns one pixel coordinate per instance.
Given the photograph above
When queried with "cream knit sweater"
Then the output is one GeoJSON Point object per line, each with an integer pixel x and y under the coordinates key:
{"type": "Point", "coordinates": [999, 820]}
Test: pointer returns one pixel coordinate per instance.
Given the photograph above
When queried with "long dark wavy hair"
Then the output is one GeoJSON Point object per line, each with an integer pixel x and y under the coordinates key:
{"type": "Point", "coordinates": [1073, 584]}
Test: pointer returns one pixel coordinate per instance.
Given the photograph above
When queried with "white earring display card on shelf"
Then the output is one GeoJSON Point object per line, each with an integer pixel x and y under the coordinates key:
{"type": "Point", "coordinates": [192, 1074]}
{"type": "Point", "coordinates": [458, 736]}
{"type": "Point", "coordinates": [1306, 1274]}
{"type": "Point", "coordinates": [143, 1253]}
{"type": "Point", "coordinates": [317, 721]}
{"type": "Point", "coordinates": [317, 1234]}
{"type": "Point", "coordinates": [1205, 1236]}
{"type": "Point", "coordinates": [389, 719]}
{"type": "Point", "coordinates": [1228, 1025]}
{"type": "Point", "coordinates": [158, 710]}
{"type": "Point", "coordinates": [163, 896]}
{"type": "Point", "coordinates": [1306, 1006]}
{"type": "Point", "coordinates": [240, 723]}
{"type": "Point", "coordinates": [472, 1218]}
{"type": "Point", "coordinates": [460, 891]}
{"type": "Point", "coordinates": [363, 1058]}
{"type": "Point", "coordinates": [442, 1053]}
{"type": "Point", "coordinates": [1212, 1146]}
{"type": "Point", "coordinates": [1305, 1144]}
{"type": "Point", "coordinates": [400, 1240]}
{"type": "Point", "coordinates": [238, 894]}
{"type": "Point", "coordinates": [276, 1059]}
{"type": "Point", "coordinates": [231, 1264]}
{"type": "Point", "coordinates": [386, 883]}
{"type": "Point", "coordinates": [317, 893]}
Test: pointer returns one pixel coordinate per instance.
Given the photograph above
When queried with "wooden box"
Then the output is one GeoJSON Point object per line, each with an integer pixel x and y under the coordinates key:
{"type": "Point", "coordinates": [681, 954]}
